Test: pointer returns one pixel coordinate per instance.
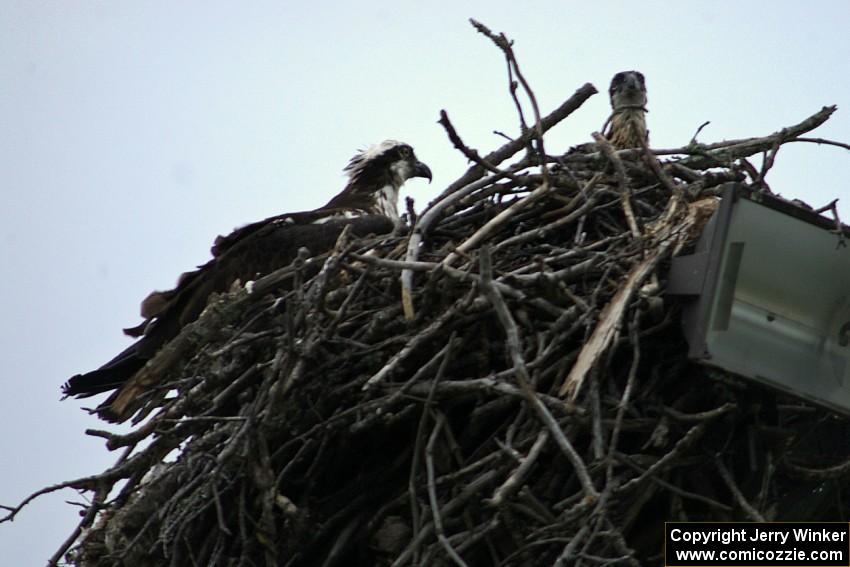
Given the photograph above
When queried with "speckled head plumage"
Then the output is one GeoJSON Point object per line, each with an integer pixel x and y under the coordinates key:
{"type": "Point", "coordinates": [628, 106]}
{"type": "Point", "coordinates": [390, 162]}
{"type": "Point", "coordinates": [375, 176]}
{"type": "Point", "coordinates": [628, 90]}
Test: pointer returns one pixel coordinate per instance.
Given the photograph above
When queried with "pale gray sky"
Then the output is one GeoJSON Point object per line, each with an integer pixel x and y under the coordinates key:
{"type": "Point", "coordinates": [132, 133]}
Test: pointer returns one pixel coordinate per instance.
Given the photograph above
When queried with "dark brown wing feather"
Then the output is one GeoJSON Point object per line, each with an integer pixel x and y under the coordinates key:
{"type": "Point", "coordinates": [257, 249]}
{"type": "Point", "coordinates": [223, 243]}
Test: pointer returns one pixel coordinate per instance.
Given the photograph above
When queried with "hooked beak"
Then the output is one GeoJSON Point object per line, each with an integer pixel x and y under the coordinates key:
{"type": "Point", "coordinates": [421, 170]}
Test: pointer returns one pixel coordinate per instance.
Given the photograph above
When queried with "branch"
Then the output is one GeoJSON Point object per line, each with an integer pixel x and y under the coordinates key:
{"type": "Point", "coordinates": [622, 180]}
{"type": "Point", "coordinates": [511, 148]}
{"type": "Point", "coordinates": [728, 152]}
{"type": "Point", "coordinates": [524, 379]}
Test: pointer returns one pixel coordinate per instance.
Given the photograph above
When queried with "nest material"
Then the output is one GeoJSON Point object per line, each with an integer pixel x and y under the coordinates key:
{"type": "Point", "coordinates": [536, 406]}
{"type": "Point", "coordinates": [504, 424]}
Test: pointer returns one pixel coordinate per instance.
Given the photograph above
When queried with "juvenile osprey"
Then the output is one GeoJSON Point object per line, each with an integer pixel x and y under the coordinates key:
{"type": "Point", "coordinates": [628, 106]}
{"type": "Point", "coordinates": [369, 203]}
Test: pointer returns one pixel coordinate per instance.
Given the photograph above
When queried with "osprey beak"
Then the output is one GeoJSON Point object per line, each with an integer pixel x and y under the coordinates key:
{"type": "Point", "coordinates": [632, 82]}
{"type": "Point", "coordinates": [421, 170]}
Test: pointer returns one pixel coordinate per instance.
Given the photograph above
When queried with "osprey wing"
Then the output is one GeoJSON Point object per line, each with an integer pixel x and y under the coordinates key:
{"type": "Point", "coordinates": [260, 251]}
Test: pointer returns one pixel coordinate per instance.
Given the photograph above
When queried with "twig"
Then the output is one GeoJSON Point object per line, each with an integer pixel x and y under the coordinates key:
{"type": "Point", "coordinates": [767, 164]}
{"type": "Point", "coordinates": [840, 229]}
{"type": "Point", "coordinates": [88, 519]}
{"type": "Point", "coordinates": [609, 320]}
{"type": "Point", "coordinates": [524, 379]}
{"type": "Point", "coordinates": [516, 479]}
{"type": "Point", "coordinates": [658, 170]}
{"type": "Point", "coordinates": [567, 556]}
{"type": "Point", "coordinates": [822, 141]}
{"type": "Point", "coordinates": [471, 154]}
{"type": "Point", "coordinates": [693, 434]}
{"type": "Point", "coordinates": [734, 149]}
{"type": "Point", "coordinates": [505, 45]}
{"type": "Point", "coordinates": [508, 150]}
{"type": "Point", "coordinates": [634, 339]}
{"type": "Point", "coordinates": [608, 151]}
{"type": "Point", "coordinates": [840, 470]}
{"type": "Point", "coordinates": [424, 336]}
{"type": "Point", "coordinates": [424, 223]}
{"type": "Point", "coordinates": [468, 182]}
{"type": "Point", "coordinates": [432, 492]}
{"type": "Point", "coordinates": [701, 126]}
{"type": "Point", "coordinates": [751, 512]}
{"type": "Point", "coordinates": [496, 222]}
{"type": "Point", "coordinates": [445, 354]}
{"type": "Point", "coordinates": [831, 206]}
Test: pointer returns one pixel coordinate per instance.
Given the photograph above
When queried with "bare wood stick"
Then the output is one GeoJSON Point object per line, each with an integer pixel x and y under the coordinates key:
{"type": "Point", "coordinates": [505, 45]}
{"type": "Point", "coordinates": [432, 493]}
{"type": "Point", "coordinates": [516, 479]}
{"type": "Point", "coordinates": [469, 489]}
{"type": "Point", "coordinates": [828, 207]}
{"type": "Point", "coordinates": [467, 182]}
{"type": "Point", "coordinates": [701, 416]}
{"type": "Point", "coordinates": [669, 235]}
{"type": "Point", "coordinates": [79, 484]}
{"type": "Point", "coordinates": [735, 149]}
{"type": "Point", "coordinates": [753, 514]}
{"type": "Point", "coordinates": [658, 170]}
{"type": "Point", "coordinates": [634, 339]}
{"type": "Point", "coordinates": [609, 321]}
{"type": "Point", "coordinates": [693, 434]}
{"type": "Point", "coordinates": [840, 470]}
{"type": "Point", "coordinates": [420, 229]}
{"type": "Point", "coordinates": [569, 216]}
{"type": "Point", "coordinates": [596, 432]}
{"type": "Point", "coordinates": [90, 515]}
{"type": "Point", "coordinates": [425, 335]}
{"type": "Point", "coordinates": [524, 379]}
{"type": "Point", "coordinates": [680, 491]}
{"type": "Point", "coordinates": [444, 356]}
{"type": "Point", "coordinates": [485, 231]}
{"type": "Point", "coordinates": [767, 164]}
{"type": "Point", "coordinates": [608, 150]}
{"type": "Point", "coordinates": [567, 556]}
{"type": "Point", "coordinates": [701, 126]}
{"type": "Point", "coordinates": [511, 148]}
{"type": "Point", "coordinates": [471, 154]}
{"type": "Point", "coordinates": [822, 141]}
{"type": "Point", "coordinates": [703, 156]}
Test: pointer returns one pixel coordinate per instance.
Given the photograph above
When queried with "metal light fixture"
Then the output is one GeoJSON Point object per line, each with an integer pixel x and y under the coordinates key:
{"type": "Point", "coordinates": [767, 296]}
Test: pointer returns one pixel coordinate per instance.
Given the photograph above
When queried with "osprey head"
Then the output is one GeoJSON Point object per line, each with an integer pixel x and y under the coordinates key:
{"type": "Point", "coordinates": [628, 90]}
{"type": "Point", "coordinates": [380, 171]}
{"type": "Point", "coordinates": [390, 161]}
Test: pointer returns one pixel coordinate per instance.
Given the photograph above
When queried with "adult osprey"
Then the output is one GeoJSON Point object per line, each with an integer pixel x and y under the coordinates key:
{"type": "Point", "coordinates": [368, 203]}
{"type": "Point", "coordinates": [628, 106]}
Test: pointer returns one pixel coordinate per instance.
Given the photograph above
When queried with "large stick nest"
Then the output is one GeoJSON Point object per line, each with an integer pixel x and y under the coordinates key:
{"type": "Point", "coordinates": [521, 397]}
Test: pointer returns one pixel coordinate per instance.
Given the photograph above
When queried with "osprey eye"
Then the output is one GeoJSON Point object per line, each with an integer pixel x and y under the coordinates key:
{"type": "Point", "coordinates": [405, 151]}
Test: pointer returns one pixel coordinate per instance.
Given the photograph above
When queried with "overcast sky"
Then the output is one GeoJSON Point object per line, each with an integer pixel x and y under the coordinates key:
{"type": "Point", "coordinates": [132, 133]}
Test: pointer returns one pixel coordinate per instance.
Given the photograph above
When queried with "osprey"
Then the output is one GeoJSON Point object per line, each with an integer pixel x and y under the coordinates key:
{"type": "Point", "coordinates": [368, 203]}
{"type": "Point", "coordinates": [628, 106]}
